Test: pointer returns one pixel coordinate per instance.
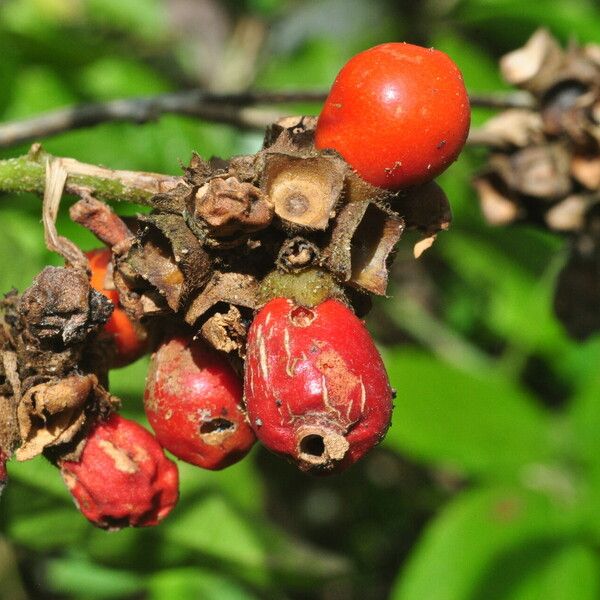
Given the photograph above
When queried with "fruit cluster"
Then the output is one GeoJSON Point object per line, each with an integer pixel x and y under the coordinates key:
{"type": "Point", "coordinates": [247, 281]}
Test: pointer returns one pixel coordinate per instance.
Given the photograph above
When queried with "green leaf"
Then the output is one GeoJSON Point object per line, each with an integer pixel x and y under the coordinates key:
{"type": "Point", "coordinates": [463, 552]}
{"type": "Point", "coordinates": [41, 476]}
{"type": "Point", "coordinates": [21, 235]}
{"type": "Point", "coordinates": [191, 584]}
{"type": "Point", "coordinates": [82, 578]}
{"type": "Point", "coordinates": [519, 303]}
{"type": "Point", "coordinates": [569, 572]}
{"type": "Point", "coordinates": [479, 423]}
{"type": "Point", "coordinates": [57, 527]}
{"type": "Point", "coordinates": [210, 525]}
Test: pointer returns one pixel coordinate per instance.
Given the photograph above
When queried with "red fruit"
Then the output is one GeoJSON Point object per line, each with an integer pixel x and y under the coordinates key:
{"type": "Point", "coordinates": [129, 346]}
{"type": "Point", "coordinates": [123, 478]}
{"type": "Point", "coordinates": [399, 114]}
{"type": "Point", "coordinates": [315, 387]}
{"type": "Point", "coordinates": [193, 402]}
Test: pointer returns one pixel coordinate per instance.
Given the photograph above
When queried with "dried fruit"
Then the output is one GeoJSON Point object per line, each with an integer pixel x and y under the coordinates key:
{"type": "Point", "coordinates": [399, 114]}
{"type": "Point", "coordinates": [193, 402]}
{"type": "Point", "coordinates": [128, 342]}
{"type": "Point", "coordinates": [315, 386]}
{"type": "Point", "coordinates": [123, 478]}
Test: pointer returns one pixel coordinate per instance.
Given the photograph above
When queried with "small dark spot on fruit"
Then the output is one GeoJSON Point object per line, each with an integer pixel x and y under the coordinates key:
{"type": "Point", "coordinates": [441, 144]}
{"type": "Point", "coordinates": [215, 425]}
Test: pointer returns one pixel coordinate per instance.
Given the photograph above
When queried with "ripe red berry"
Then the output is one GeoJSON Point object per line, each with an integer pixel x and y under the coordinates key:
{"type": "Point", "coordinates": [399, 114]}
{"type": "Point", "coordinates": [315, 386]}
{"type": "Point", "coordinates": [123, 477]}
{"type": "Point", "coordinates": [129, 346]}
{"type": "Point", "coordinates": [193, 402]}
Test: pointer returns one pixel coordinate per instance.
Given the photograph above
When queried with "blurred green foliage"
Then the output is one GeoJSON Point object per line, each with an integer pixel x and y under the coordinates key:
{"type": "Point", "coordinates": [488, 485]}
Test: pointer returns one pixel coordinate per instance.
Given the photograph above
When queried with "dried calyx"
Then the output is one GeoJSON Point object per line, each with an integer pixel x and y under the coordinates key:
{"type": "Point", "coordinates": [285, 210]}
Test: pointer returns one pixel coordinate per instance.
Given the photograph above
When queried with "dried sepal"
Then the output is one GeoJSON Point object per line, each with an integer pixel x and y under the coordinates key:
{"type": "Point", "coordinates": [238, 289]}
{"type": "Point", "coordinates": [304, 191]}
{"type": "Point", "coordinates": [170, 257]}
{"type": "Point", "coordinates": [513, 128]}
{"type": "Point", "coordinates": [53, 413]}
{"type": "Point", "coordinates": [569, 214]}
{"type": "Point", "coordinates": [361, 242]}
{"type": "Point", "coordinates": [10, 397]}
{"type": "Point", "coordinates": [530, 67]}
{"type": "Point", "coordinates": [498, 206]}
{"type": "Point", "coordinates": [226, 331]}
{"type": "Point", "coordinates": [424, 208]}
{"type": "Point", "coordinates": [539, 171]}
{"type": "Point", "coordinates": [586, 170]}
{"type": "Point", "coordinates": [371, 248]}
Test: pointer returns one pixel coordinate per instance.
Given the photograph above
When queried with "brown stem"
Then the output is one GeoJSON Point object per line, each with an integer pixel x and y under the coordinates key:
{"type": "Point", "coordinates": [233, 109]}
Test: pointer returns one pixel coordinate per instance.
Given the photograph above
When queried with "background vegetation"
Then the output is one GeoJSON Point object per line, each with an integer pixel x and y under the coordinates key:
{"type": "Point", "coordinates": [488, 484]}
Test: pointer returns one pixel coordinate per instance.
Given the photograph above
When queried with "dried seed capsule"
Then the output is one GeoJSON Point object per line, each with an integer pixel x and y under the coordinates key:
{"type": "Point", "coordinates": [123, 478]}
{"type": "Point", "coordinates": [193, 403]}
{"type": "Point", "coordinates": [315, 386]}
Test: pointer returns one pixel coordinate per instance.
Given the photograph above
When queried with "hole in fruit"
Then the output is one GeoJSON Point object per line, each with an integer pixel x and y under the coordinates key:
{"type": "Point", "coordinates": [313, 445]}
{"type": "Point", "coordinates": [302, 316]}
{"type": "Point", "coordinates": [296, 204]}
{"type": "Point", "coordinates": [215, 426]}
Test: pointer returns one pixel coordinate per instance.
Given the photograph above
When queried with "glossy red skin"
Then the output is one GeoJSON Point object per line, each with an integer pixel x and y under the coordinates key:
{"type": "Point", "coordinates": [123, 478]}
{"type": "Point", "coordinates": [128, 344]}
{"type": "Point", "coordinates": [188, 386]}
{"type": "Point", "coordinates": [398, 113]}
{"type": "Point", "coordinates": [326, 374]}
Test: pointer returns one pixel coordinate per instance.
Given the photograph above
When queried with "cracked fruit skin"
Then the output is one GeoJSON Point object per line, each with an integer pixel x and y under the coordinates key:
{"type": "Point", "coordinates": [123, 478]}
{"type": "Point", "coordinates": [128, 344]}
{"type": "Point", "coordinates": [315, 386]}
{"type": "Point", "coordinates": [193, 403]}
{"type": "Point", "coordinates": [399, 114]}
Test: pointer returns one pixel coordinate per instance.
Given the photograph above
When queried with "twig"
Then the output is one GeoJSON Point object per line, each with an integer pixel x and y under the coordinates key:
{"type": "Point", "coordinates": [28, 174]}
{"type": "Point", "coordinates": [232, 109]}
{"type": "Point", "coordinates": [515, 99]}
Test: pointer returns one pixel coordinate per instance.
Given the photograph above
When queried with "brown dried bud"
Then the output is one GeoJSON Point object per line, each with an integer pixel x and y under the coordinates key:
{"type": "Point", "coordinates": [228, 207]}
{"type": "Point", "coordinates": [61, 308]}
